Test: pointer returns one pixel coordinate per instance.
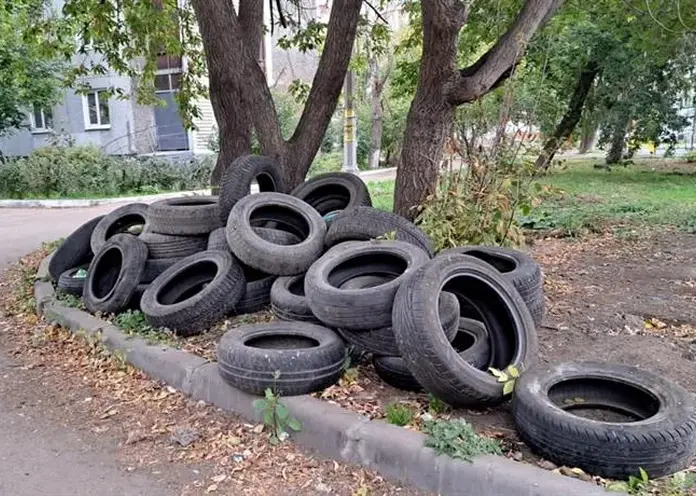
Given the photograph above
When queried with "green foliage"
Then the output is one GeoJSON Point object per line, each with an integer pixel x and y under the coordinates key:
{"type": "Point", "coordinates": [70, 300]}
{"type": "Point", "coordinates": [398, 414]}
{"type": "Point", "coordinates": [276, 416]}
{"type": "Point", "coordinates": [134, 323]}
{"type": "Point", "coordinates": [457, 439]}
{"type": "Point", "coordinates": [679, 484]}
{"type": "Point", "coordinates": [436, 405]}
{"type": "Point", "coordinates": [382, 194]}
{"type": "Point", "coordinates": [326, 162]}
{"type": "Point", "coordinates": [28, 76]}
{"type": "Point", "coordinates": [507, 377]}
{"type": "Point", "coordinates": [690, 157]}
{"type": "Point", "coordinates": [74, 172]}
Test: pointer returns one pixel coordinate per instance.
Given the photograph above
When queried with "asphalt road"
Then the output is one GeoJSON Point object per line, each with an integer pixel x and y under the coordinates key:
{"type": "Point", "coordinates": [42, 452]}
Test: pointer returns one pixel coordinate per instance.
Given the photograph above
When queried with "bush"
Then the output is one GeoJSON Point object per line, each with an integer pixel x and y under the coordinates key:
{"type": "Point", "coordinates": [72, 172]}
{"type": "Point", "coordinates": [690, 157]}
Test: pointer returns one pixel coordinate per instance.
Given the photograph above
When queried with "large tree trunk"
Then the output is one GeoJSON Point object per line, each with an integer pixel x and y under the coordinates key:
{"type": "Point", "coordinates": [589, 134]}
{"type": "Point", "coordinates": [377, 113]}
{"type": "Point", "coordinates": [572, 116]}
{"type": "Point", "coordinates": [441, 87]}
{"type": "Point", "coordinates": [618, 139]}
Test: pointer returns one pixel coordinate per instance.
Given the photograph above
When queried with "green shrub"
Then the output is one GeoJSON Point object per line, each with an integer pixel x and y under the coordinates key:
{"type": "Point", "coordinates": [326, 162]}
{"type": "Point", "coordinates": [83, 171]}
{"type": "Point", "coordinates": [690, 157]}
{"type": "Point", "coordinates": [398, 414]}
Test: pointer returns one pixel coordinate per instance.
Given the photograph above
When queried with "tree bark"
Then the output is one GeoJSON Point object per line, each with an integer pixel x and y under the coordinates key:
{"type": "Point", "coordinates": [618, 139]}
{"type": "Point", "coordinates": [572, 116]}
{"type": "Point", "coordinates": [377, 113]}
{"type": "Point", "coordinates": [441, 87]}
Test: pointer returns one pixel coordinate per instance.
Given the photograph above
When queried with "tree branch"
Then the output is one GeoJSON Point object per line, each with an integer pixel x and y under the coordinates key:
{"type": "Point", "coordinates": [496, 65]}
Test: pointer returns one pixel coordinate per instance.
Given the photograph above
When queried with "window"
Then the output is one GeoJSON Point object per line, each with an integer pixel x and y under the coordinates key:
{"type": "Point", "coordinates": [42, 118]}
{"type": "Point", "coordinates": [96, 109]}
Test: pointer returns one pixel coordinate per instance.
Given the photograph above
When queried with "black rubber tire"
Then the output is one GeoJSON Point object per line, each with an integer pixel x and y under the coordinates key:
{"type": "Point", "coordinates": [68, 283]}
{"type": "Point", "coordinates": [167, 246]}
{"type": "Point", "coordinates": [236, 181]}
{"type": "Point", "coordinates": [365, 223]}
{"type": "Point", "coordinates": [118, 221]}
{"type": "Point", "coordinates": [194, 293]}
{"type": "Point", "coordinates": [382, 342]}
{"type": "Point", "coordinates": [393, 371]}
{"type": "Point", "coordinates": [153, 268]}
{"type": "Point", "coordinates": [288, 301]}
{"type": "Point", "coordinates": [271, 258]}
{"type": "Point", "coordinates": [276, 236]}
{"type": "Point", "coordinates": [472, 343]}
{"type": "Point", "coordinates": [432, 359]}
{"type": "Point", "coordinates": [333, 191]}
{"type": "Point", "coordinates": [75, 250]}
{"type": "Point", "coordinates": [302, 369]}
{"type": "Point", "coordinates": [114, 274]}
{"type": "Point", "coordinates": [257, 295]}
{"type": "Point", "coordinates": [661, 442]}
{"type": "Point", "coordinates": [187, 216]}
{"type": "Point", "coordinates": [218, 240]}
{"type": "Point", "coordinates": [365, 308]}
{"type": "Point", "coordinates": [517, 267]}
{"type": "Point", "coordinates": [134, 303]}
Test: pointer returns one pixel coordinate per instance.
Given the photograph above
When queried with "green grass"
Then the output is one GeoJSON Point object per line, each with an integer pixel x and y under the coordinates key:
{"type": "Point", "coordinates": [649, 192]}
{"type": "Point", "coordinates": [382, 193]}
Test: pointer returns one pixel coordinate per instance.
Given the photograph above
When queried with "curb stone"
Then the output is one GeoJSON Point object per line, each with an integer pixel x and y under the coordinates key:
{"type": "Point", "coordinates": [81, 203]}
{"type": "Point", "coordinates": [327, 429]}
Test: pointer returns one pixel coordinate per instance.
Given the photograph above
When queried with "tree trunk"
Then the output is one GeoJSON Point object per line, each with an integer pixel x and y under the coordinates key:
{"type": "Point", "coordinates": [589, 134]}
{"type": "Point", "coordinates": [618, 140]}
{"type": "Point", "coordinates": [572, 116]}
{"type": "Point", "coordinates": [377, 113]}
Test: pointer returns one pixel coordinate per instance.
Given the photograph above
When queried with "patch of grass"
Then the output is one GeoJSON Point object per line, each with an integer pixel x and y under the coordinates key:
{"type": "Point", "coordinates": [70, 300]}
{"type": "Point", "coordinates": [457, 439]}
{"type": "Point", "coordinates": [398, 414]}
{"type": "Point", "coordinates": [382, 193]}
{"type": "Point", "coordinates": [133, 323]}
{"type": "Point", "coordinates": [679, 484]}
{"type": "Point", "coordinates": [589, 199]}
{"type": "Point", "coordinates": [436, 405]}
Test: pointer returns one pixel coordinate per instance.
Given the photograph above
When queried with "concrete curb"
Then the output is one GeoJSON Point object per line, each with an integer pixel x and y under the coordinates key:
{"type": "Point", "coordinates": [97, 201]}
{"type": "Point", "coordinates": [327, 429]}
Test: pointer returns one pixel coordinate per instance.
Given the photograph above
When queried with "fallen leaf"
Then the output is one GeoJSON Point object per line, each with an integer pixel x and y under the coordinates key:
{"type": "Point", "coordinates": [219, 478]}
{"type": "Point", "coordinates": [211, 488]}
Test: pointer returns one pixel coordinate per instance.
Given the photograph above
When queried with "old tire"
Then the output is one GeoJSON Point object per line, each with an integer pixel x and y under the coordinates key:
{"type": "Point", "coordinates": [660, 436]}
{"type": "Point", "coordinates": [290, 215]}
{"type": "Point", "coordinates": [257, 293]}
{"type": "Point", "coordinates": [393, 371]}
{"type": "Point", "coordinates": [194, 293]}
{"type": "Point", "coordinates": [167, 246]}
{"type": "Point", "coordinates": [75, 250]}
{"type": "Point", "coordinates": [68, 283]}
{"type": "Point", "coordinates": [188, 216]}
{"type": "Point", "coordinates": [332, 192]}
{"type": "Point", "coordinates": [432, 359]}
{"type": "Point", "coordinates": [236, 181]}
{"type": "Point", "coordinates": [218, 240]}
{"type": "Point", "coordinates": [517, 267]}
{"type": "Point", "coordinates": [382, 341]}
{"type": "Point", "coordinates": [288, 301]}
{"type": "Point", "coordinates": [155, 267]}
{"type": "Point", "coordinates": [364, 308]}
{"type": "Point", "coordinates": [365, 223]}
{"type": "Point", "coordinates": [114, 274]}
{"type": "Point", "coordinates": [119, 221]}
{"type": "Point", "coordinates": [134, 303]}
{"type": "Point", "coordinates": [308, 357]}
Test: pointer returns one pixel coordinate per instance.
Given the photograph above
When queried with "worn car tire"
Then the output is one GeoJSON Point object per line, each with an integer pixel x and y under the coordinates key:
{"type": "Point", "coordinates": [167, 246]}
{"type": "Point", "coordinates": [134, 303]}
{"type": "Point", "coordinates": [257, 292]}
{"type": "Point", "coordinates": [194, 293]}
{"type": "Point", "coordinates": [68, 283]}
{"type": "Point", "coordinates": [308, 358]}
{"type": "Point", "coordinates": [187, 216]}
{"type": "Point", "coordinates": [288, 301]}
{"type": "Point", "coordinates": [236, 181]}
{"type": "Point", "coordinates": [154, 267]}
{"type": "Point", "coordinates": [364, 308]}
{"type": "Point", "coordinates": [432, 359]}
{"type": "Point", "coordinates": [290, 215]}
{"type": "Point", "coordinates": [517, 267]}
{"type": "Point", "coordinates": [75, 250]}
{"type": "Point", "coordinates": [332, 192]}
{"type": "Point", "coordinates": [365, 223]}
{"type": "Point", "coordinates": [218, 240]}
{"type": "Point", "coordinates": [660, 436]}
{"type": "Point", "coordinates": [382, 341]}
{"type": "Point", "coordinates": [117, 222]}
{"type": "Point", "coordinates": [393, 371]}
{"type": "Point", "coordinates": [114, 274]}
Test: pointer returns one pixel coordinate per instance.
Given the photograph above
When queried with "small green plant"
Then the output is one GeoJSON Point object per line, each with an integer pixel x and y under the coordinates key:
{"type": "Point", "coordinates": [134, 323]}
{"type": "Point", "coordinates": [690, 157]}
{"type": "Point", "coordinates": [276, 416]}
{"type": "Point", "coordinates": [457, 439]}
{"type": "Point", "coordinates": [634, 485]}
{"type": "Point", "coordinates": [507, 377]}
{"type": "Point", "coordinates": [398, 414]}
{"type": "Point", "coordinates": [70, 300]}
{"type": "Point", "coordinates": [389, 236]}
{"type": "Point", "coordinates": [436, 405]}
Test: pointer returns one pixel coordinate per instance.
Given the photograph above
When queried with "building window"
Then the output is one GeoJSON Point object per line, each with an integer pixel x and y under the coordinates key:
{"type": "Point", "coordinates": [42, 118]}
{"type": "Point", "coordinates": [96, 108]}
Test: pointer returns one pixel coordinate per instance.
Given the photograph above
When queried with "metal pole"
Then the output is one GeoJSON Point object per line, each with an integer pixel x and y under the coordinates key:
{"type": "Point", "coordinates": [350, 127]}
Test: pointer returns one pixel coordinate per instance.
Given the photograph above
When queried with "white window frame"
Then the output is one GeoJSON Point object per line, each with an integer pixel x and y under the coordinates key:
{"type": "Point", "coordinates": [43, 128]}
{"type": "Point", "coordinates": [85, 111]}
